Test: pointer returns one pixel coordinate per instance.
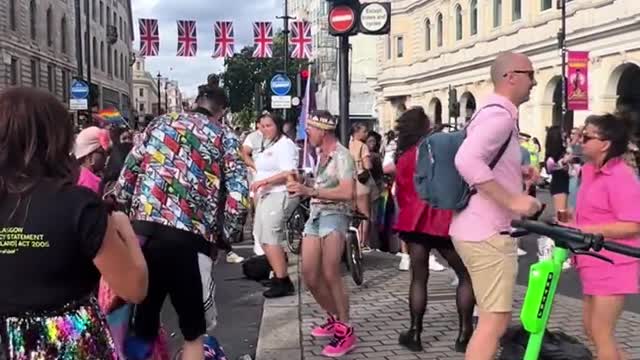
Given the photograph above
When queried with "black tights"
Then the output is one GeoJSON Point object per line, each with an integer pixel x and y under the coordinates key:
{"type": "Point", "coordinates": [465, 299]}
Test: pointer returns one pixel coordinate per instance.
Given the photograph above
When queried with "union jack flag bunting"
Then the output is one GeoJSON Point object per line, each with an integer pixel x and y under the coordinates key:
{"type": "Point", "coordinates": [224, 40]}
{"type": "Point", "coordinates": [187, 38]}
{"type": "Point", "coordinates": [149, 37]}
{"type": "Point", "coordinates": [263, 39]}
{"type": "Point", "coordinates": [301, 39]}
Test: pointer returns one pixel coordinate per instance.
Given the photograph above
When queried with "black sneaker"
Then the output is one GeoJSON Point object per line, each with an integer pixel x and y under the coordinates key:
{"type": "Point", "coordinates": [279, 288]}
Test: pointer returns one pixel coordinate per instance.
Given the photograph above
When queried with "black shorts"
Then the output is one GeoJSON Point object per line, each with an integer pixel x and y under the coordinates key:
{"type": "Point", "coordinates": [559, 182]}
{"type": "Point", "coordinates": [172, 260]}
{"type": "Point", "coordinates": [431, 241]}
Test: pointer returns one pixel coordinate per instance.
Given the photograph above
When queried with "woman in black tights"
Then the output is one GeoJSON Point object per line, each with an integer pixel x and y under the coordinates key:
{"type": "Point", "coordinates": [423, 229]}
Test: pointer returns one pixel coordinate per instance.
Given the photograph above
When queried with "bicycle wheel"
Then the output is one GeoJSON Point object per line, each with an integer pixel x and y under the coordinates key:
{"type": "Point", "coordinates": [354, 257]}
{"type": "Point", "coordinates": [293, 231]}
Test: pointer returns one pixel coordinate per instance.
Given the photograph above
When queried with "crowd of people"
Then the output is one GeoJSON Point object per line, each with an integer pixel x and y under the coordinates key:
{"type": "Point", "coordinates": [91, 221]}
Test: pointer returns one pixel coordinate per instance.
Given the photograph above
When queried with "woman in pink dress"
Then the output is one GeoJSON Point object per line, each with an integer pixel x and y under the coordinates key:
{"type": "Point", "coordinates": [423, 229]}
{"type": "Point", "coordinates": [607, 204]}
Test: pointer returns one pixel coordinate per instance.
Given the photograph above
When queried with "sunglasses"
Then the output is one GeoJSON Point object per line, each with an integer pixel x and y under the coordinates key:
{"type": "Point", "coordinates": [530, 73]}
{"type": "Point", "coordinates": [586, 138]}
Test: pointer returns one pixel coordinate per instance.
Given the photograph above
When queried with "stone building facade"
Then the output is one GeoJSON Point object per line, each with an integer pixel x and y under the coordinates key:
{"type": "Point", "coordinates": [435, 44]}
{"type": "Point", "coordinates": [110, 45]}
{"type": "Point", "coordinates": [37, 45]}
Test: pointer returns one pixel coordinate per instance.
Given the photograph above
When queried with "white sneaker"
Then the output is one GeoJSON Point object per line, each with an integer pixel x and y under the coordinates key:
{"type": "Point", "coordinates": [405, 262]}
{"type": "Point", "coordinates": [434, 265]}
{"type": "Point", "coordinates": [233, 258]}
{"type": "Point", "coordinates": [521, 252]}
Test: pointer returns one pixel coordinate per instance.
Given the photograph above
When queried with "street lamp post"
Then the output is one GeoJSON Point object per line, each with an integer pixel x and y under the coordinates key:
{"type": "Point", "coordinates": [159, 95]}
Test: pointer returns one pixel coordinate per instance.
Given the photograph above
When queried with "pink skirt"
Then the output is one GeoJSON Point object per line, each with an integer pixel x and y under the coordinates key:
{"type": "Point", "coordinates": [610, 279]}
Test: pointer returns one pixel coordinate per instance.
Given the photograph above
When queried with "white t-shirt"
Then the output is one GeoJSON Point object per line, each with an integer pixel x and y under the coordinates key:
{"type": "Point", "coordinates": [279, 157]}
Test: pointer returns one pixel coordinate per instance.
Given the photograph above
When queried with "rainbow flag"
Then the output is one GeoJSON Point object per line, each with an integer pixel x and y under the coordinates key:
{"type": "Point", "coordinates": [111, 116]}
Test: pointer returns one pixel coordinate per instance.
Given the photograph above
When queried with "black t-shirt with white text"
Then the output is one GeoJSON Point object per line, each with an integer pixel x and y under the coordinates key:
{"type": "Point", "coordinates": [48, 240]}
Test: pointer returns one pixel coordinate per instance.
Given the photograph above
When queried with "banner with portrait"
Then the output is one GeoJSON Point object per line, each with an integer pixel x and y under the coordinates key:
{"type": "Point", "coordinates": [578, 80]}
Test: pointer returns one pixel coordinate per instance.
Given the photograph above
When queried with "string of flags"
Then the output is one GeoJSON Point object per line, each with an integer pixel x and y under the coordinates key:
{"type": "Point", "coordinates": [224, 39]}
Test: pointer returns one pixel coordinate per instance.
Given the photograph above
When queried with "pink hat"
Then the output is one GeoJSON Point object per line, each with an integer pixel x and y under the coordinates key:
{"type": "Point", "coordinates": [90, 140]}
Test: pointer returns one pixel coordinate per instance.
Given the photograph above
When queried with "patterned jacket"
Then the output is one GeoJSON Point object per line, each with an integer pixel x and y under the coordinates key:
{"type": "Point", "coordinates": [184, 173]}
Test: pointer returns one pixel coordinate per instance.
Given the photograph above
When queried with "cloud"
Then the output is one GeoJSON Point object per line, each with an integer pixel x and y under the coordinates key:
{"type": "Point", "coordinates": [191, 72]}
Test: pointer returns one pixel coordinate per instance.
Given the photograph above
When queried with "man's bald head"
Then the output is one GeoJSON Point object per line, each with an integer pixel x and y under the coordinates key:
{"type": "Point", "coordinates": [506, 62]}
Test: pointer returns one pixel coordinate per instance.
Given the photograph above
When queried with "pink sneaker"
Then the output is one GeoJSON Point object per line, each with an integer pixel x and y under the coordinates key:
{"type": "Point", "coordinates": [325, 330]}
{"type": "Point", "coordinates": [343, 342]}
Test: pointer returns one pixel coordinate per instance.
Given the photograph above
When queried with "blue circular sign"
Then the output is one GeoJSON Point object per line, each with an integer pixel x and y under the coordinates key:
{"type": "Point", "coordinates": [280, 85]}
{"type": "Point", "coordinates": [79, 89]}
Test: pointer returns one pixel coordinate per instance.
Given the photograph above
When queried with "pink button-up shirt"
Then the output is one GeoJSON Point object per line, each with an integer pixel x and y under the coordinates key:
{"type": "Point", "coordinates": [483, 217]}
{"type": "Point", "coordinates": [608, 195]}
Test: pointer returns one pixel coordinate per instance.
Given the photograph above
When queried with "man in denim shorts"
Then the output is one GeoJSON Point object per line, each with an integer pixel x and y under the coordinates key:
{"type": "Point", "coordinates": [323, 244]}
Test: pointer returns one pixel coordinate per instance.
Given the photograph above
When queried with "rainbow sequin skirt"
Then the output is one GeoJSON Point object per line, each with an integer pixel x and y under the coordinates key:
{"type": "Point", "coordinates": [78, 331]}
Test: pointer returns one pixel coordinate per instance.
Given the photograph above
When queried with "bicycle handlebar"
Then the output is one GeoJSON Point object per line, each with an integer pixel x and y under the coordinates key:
{"type": "Point", "coordinates": [575, 240]}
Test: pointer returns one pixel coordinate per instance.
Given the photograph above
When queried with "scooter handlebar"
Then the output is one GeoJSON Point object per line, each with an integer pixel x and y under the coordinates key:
{"type": "Point", "coordinates": [574, 239]}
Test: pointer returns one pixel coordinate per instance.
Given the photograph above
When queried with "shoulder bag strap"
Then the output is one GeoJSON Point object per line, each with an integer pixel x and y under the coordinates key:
{"type": "Point", "coordinates": [504, 146]}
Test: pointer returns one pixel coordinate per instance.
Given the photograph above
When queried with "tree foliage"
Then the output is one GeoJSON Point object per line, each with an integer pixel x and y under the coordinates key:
{"type": "Point", "coordinates": [244, 74]}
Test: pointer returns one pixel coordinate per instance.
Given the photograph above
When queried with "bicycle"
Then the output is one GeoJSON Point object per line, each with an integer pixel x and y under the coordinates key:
{"type": "Point", "coordinates": [294, 226]}
{"type": "Point", "coordinates": [353, 250]}
{"type": "Point", "coordinates": [544, 275]}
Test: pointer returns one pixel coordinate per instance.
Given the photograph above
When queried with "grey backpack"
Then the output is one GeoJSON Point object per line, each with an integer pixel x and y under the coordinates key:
{"type": "Point", "coordinates": [437, 181]}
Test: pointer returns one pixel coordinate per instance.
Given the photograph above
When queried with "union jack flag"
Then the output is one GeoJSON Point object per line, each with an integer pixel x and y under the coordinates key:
{"type": "Point", "coordinates": [301, 39]}
{"type": "Point", "coordinates": [149, 37]}
{"type": "Point", "coordinates": [263, 39]}
{"type": "Point", "coordinates": [187, 38]}
{"type": "Point", "coordinates": [224, 39]}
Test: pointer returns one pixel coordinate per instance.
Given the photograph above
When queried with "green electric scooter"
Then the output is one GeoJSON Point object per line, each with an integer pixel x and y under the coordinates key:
{"type": "Point", "coordinates": [545, 275]}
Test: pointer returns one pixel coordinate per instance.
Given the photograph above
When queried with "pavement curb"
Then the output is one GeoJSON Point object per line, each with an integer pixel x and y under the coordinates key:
{"type": "Point", "coordinates": [280, 333]}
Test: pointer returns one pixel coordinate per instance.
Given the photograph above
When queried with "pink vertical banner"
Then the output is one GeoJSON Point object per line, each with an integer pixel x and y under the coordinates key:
{"type": "Point", "coordinates": [578, 80]}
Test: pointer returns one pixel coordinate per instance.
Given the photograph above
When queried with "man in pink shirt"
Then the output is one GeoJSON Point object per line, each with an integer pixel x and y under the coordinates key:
{"type": "Point", "coordinates": [490, 257]}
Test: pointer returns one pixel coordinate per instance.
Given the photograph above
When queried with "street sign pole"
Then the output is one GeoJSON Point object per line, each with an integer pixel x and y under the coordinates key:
{"type": "Point", "coordinates": [343, 93]}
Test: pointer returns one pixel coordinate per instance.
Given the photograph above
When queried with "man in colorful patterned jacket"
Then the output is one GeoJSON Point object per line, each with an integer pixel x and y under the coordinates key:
{"type": "Point", "coordinates": [183, 174]}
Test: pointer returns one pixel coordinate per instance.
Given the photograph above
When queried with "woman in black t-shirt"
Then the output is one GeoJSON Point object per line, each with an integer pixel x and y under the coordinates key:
{"type": "Point", "coordinates": [56, 239]}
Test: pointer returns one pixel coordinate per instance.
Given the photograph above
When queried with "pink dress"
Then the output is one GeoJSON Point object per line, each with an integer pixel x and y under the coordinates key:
{"type": "Point", "coordinates": [607, 195]}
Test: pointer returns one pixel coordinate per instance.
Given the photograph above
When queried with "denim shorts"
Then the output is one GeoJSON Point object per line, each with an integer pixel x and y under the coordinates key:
{"type": "Point", "coordinates": [321, 225]}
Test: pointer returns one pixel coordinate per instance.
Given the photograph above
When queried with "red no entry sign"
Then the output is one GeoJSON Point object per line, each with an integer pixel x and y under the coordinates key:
{"type": "Point", "coordinates": [342, 19]}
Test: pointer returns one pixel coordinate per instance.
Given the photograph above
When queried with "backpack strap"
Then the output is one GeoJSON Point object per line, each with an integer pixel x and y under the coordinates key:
{"type": "Point", "coordinates": [504, 146]}
{"type": "Point", "coordinates": [483, 108]}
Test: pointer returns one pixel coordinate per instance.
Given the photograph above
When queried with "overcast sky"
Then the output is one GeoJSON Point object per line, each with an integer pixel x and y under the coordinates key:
{"type": "Point", "coordinates": [191, 72]}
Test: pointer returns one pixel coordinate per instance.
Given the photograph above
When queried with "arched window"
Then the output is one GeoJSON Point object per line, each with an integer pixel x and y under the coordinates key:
{"type": "Point", "coordinates": [427, 35]}
{"type": "Point", "coordinates": [32, 19]}
{"type": "Point", "coordinates": [63, 35]}
{"type": "Point", "coordinates": [516, 12]}
{"type": "Point", "coordinates": [458, 22]}
{"type": "Point", "coordinates": [473, 17]}
{"type": "Point", "coordinates": [439, 29]}
{"type": "Point", "coordinates": [109, 63]}
{"type": "Point", "coordinates": [121, 66]}
{"type": "Point", "coordinates": [102, 55]}
{"type": "Point", "coordinates": [94, 45]}
{"type": "Point", "coordinates": [115, 63]}
{"type": "Point", "coordinates": [497, 13]}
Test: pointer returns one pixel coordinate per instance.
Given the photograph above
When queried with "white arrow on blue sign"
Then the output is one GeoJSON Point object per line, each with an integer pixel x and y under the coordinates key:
{"type": "Point", "coordinates": [280, 85]}
{"type": "Point", "coordinates": [79, 89]}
